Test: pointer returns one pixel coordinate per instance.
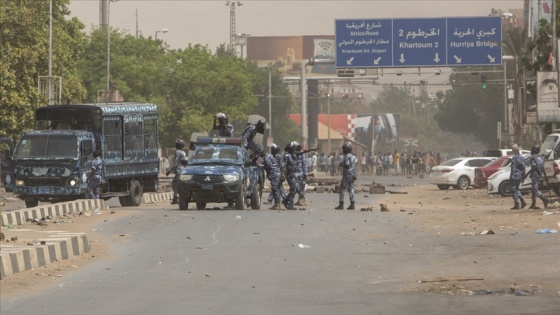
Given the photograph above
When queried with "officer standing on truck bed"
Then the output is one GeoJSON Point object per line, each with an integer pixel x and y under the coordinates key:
{"type": "Point", "coordinates": [225, 129]}
{"type": "Point", "coordinates": [180, 158]}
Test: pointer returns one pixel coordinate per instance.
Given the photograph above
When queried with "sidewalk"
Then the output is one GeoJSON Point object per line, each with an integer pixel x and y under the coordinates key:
{"type": "Point", "coordinates": [26, 249]}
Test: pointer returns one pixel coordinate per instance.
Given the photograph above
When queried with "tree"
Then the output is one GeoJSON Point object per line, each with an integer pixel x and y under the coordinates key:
{"type": "Point", "coordinates": [24, 27]}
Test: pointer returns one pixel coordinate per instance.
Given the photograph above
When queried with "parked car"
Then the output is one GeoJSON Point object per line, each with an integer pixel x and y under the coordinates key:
{"type": "Point", "coordinates": [481, 174]}
{"type": "Point", "coordinates": [501, 152]}
{"type": "Point", "coordinates": [458, 172]}
{"type": "Point", "coordinates": [499, 183]}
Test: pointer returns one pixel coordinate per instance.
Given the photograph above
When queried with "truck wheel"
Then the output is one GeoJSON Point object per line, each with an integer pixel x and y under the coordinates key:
{"type": "Point", "coordinates": [124, 201]}
{"type": "Point", "coordinates": [256, 197]}
{"type": "Point", "coordinates": [183, 203]}
{"type": "Point", "coordinates": [135, 197]}
{"type": "Point", "coordinates": [200, 205]}
{"type": "Point", "coordinates": [463, 183]}
{"type": "Point", "coordinates": [31, 203]}
{"type": "Point", "coordinates": [240, 200]}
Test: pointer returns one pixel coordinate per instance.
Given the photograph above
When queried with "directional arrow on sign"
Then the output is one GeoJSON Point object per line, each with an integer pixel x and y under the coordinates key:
{"type": "Point", "coordinates": [492, 59]}
{"type": "Point", "coordinates": [349, 61]}
{"type": "Point", "coordinates": [457, 59]}
{"type": "Point", "coordinates": [436, 59]}
{"type": "Point", "coordinates": [376, 61]}
{"type": "Point", "coordinates": [402, 60]}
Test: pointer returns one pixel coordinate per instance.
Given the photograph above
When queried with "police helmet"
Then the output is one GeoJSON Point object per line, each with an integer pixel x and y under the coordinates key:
{"type": "Point", "coordinates": [289, 148]}
{"type": "Point", "coordinates": [274, 149]}
{"type": "Point", "coordinates": [259, 127]}
{"type": "Point", "coordinates": [295, 144]}
{"type": "Point", "coordinates": [535, 149]}
{"type": "Point", "coordinates": [346, 148]}
{"type": "Point", "coordinates": [179, 144]}
{"type": "Point", "coordinates": [222, 118]}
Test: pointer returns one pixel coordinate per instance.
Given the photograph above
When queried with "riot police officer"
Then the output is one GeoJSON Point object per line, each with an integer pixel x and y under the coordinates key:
{"type": "Point", "coordinates": [301, 174]}
{"type": "Point", "coordinates": [291, 175]}
{"type": "Point", "coordinates": [180, 156]}
{"type": "Point", "coordinates": [94, 179]}
{"type": "Point", "coordinates": [348, 165]}
{"type": "Point", "coordinates": [225, 129]}
{"type": "Point", "coordinates": [248, 137]}
{"type": "Point", "coordinates": [273, 174]}
{"type": "Point", "coordinates": [275, 151]}
{"type": "Point", "coordinates": [536, 173]}
{"type": "Point", "coordinates": [516, 176]}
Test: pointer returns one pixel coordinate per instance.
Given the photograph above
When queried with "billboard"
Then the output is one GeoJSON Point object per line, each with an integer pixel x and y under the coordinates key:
{"type": "Point", "coordinates": [287, 53]}
{"type": "Point", "coordinates": [358, 127]}
{"type": "Point", "coordinates": [548, 109]}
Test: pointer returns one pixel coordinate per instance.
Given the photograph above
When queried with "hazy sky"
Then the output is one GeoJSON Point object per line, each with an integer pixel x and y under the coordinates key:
{"type": "Point", "coordinates": [208, 22]}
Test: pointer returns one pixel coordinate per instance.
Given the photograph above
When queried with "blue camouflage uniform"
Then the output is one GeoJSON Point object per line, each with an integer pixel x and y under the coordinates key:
{"type": "Point", "coordinates": [180, 155]}
{"type": "Point", "coordinates": [94, 181]}
{"type": "Point", "coordinates": [301, 172]}
{"type": "Point", "coordinates": [248, 136]}
{"type": "Point", "coordinates": [516, 176]}
{"type": "Point", "coordinates": [348, 164]}
{"type": "Point", "coordinates": [291, 177]}
{"type": "Point", "coordinates": [273, 174]}
{"type": "Point", "coordinates": [282, 166]}
{"type": "Point", "coordinates": [536, 174]}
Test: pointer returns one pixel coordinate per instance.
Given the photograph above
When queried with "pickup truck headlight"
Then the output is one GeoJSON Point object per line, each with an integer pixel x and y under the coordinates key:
{"type": "Point", "coordinates": [231, 177]}
{"type": "Point", "coordinates": [19, 182]}
{"type": "Point", "coordinates": [185, 177]}
{"type": "Point", "coordinates": [73, 182]}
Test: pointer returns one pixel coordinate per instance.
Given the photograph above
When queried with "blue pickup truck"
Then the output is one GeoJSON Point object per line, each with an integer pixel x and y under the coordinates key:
{"type": "Point", "coordinates": [220, 171]}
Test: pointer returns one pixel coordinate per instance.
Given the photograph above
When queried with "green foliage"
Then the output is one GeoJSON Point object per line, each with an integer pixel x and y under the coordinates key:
{"type": "Point", "coordinates": [24, 27]}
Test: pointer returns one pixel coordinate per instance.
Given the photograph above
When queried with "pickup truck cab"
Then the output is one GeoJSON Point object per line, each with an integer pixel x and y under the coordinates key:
{"type": "Point", "coordinates": [220, 170]}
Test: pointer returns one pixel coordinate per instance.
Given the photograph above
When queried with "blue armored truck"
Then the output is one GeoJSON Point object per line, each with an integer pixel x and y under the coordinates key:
{"type": "Point", "coordinates": [52, 162]}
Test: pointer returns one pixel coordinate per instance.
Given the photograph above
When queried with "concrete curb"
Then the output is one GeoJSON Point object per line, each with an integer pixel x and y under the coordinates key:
{"type": "Point", "coordinates": [59, 246]}
{"type": "Point", "coordinates": [19, 217]}
{"type": "Point", "coordinates": [14, 258]}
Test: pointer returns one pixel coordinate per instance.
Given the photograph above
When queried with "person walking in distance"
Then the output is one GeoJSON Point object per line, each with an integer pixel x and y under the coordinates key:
{"type": "Point", "coordinates": [536, 174]}
{"type": "Point", "coordinates": [348, 165]}
{"type": "Point", "coordinates": [180, 155]}
{"type": "Point", "coordinates": [94, 179]}
{"type": "Point", "coordinates": [516, 176]}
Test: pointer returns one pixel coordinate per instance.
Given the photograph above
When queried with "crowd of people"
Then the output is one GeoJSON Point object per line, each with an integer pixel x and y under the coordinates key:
{"type": "Point", "coordinates": [388, 164]}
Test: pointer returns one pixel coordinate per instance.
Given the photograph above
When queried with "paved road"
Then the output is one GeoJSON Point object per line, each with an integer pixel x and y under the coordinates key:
{"type": "Point", "coordinates": [251, 262]}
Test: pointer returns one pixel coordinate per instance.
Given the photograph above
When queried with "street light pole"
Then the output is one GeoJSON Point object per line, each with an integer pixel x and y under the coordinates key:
{"type": "Point", "coordinates": [108, 86]}
{"type": "Point", "coordinates": [163, 30]}
{"type": "Point", "coordinates": [270, 103]}
{"type": "Point", "coordinates": [329, 122]}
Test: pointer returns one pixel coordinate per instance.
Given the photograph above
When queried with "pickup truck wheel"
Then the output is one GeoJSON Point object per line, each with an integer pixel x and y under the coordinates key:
{"type": "Point", "coordinates": [31, 203]}
{"type": "Point", "coordinates": [556, 189]}
{"type": "Point", "coordinates": [135, 196]}
{"type": "Point", "coordinates": [256, 197]}
{"type": "Point", "coordinates": [183, 203]}
{"type": "Point", "coordinates": [240, 200]}
{"type": "Point", "coordinates": [505, 188]}
{"type": "Point", "coordinates": [200, 205]}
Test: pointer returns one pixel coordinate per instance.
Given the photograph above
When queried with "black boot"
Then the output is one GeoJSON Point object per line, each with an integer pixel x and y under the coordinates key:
{"type": "Point", "coordinates": [351, 207]}
{"type": "Point", "coordinates": [174, 201]}
{"type": "Point", "coordinates": [534, 204]}
{"type": "Point", "coordinates": [340, 206]}
{"type": "Point", "coordinates": [515, 207]}
{"type": "Point", "coordinates": [546, 201]}
{"type": "Point", "coordinates": [523, 203]}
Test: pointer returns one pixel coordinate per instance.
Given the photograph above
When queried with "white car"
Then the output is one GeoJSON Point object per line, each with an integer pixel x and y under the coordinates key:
{"type": "Point", "coordinates": [458, 172]}
{"type": "Point", "coordinates": [498, 183]}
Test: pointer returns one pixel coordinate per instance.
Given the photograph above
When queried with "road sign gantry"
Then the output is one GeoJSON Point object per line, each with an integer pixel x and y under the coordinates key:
{"type": "Point", "coordinates": [433, 42]}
